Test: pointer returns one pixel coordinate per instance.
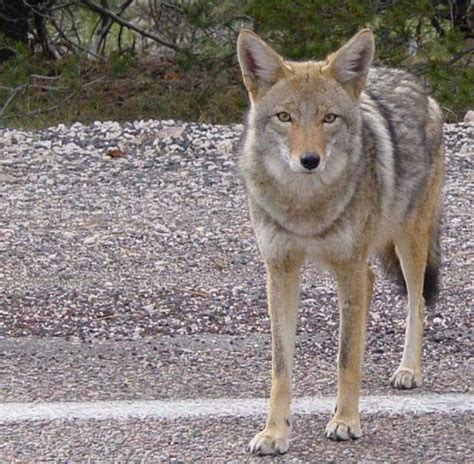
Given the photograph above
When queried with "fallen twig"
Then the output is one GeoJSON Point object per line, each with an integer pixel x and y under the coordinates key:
{"type": "Point", "coordinates": [12, 96]}
{"type": "Point", "coordinates": [199, 293]}
{"type": "Point", "coordinates": [88, 84]}
{"type": "Point", "coordinates": [47, 78]}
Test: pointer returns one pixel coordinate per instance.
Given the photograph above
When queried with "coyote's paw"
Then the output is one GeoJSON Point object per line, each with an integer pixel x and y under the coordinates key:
{"type": "Point", "coordinates": [405, 378]}
{"type": "Point", "coordinates": [269, 442]}
{"type": "Point", "coordinates": [339, 429]}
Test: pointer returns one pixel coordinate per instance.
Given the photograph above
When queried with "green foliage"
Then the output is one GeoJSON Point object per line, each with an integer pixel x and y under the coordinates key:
{"type": "Point", "coordinates": [120, 64]}
{"type": "Point", "coordinates": [200, 81]}
{"type": "Point", "coordinates": [212, 26]}
{"type": "Point", "coordinates": [17, 68]}
{"type": "Point", "coordinates": [310, 28]}
{"type": "Point", "coordinates": [417, 35]}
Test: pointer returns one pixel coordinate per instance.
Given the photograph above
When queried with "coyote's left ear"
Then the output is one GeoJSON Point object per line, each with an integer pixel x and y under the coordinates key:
{"type": "Point", "coordinates": [261, 65]}
{"type": "Point", "coordinates": [350, 64]}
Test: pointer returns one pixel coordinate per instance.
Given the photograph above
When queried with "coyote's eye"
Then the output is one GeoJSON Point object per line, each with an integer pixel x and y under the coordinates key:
{"type": "Point", "coordinates": [284, 116]}
{"type": "Point", "coordinates": [329, 118]}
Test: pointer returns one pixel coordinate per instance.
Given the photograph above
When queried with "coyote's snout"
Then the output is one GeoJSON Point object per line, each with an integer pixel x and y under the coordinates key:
{"type": "Point", "coordinates": [340, 161]}
{"type": "Point", "coordinates": [307, 146]}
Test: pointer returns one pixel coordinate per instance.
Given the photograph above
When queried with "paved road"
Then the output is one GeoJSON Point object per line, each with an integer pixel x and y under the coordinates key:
{"type": "Point", "coordinates": [179, 371]}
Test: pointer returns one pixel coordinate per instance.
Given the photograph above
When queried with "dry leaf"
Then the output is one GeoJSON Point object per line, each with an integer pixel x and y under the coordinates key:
{"type": "Point", "coordinates": [172, 76]}
{"type": "Point", "coordinates": [116, 153]}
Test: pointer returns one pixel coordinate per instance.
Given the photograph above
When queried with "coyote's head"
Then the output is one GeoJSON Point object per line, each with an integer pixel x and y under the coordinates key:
{"type": "Point", "coordinates": [304, 115]}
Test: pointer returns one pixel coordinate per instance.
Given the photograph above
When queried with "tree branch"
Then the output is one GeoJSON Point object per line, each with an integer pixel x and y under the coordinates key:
{"type": "Point", "coordinates": [70, 42]}
{"type": "Point", "coordinates": [107, 25]}
{"type": "Point", "coordinates": [104, 11]}
{"type": "Point", "coordinates": [459, 55]}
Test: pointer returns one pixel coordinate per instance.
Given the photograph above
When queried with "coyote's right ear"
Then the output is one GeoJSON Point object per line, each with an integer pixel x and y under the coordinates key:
{"type": "Point", "coordinates": [261, 66]}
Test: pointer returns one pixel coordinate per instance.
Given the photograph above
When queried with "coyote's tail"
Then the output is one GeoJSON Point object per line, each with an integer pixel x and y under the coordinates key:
{"type": "Point", "coordinates": [391, 265]}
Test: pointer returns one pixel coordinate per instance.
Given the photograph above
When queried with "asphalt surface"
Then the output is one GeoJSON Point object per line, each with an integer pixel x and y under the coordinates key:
{"type": "Point", "coordinates": [191, 367]}
{"type": "Point", "coordinates": [186, 367]}
{"type": "Point", "coordinates": [427, 438]}
{"type": "Point", "coordinates": [138, 279]}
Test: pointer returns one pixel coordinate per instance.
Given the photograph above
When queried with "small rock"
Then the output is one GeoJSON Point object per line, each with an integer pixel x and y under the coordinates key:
{"type": "Point", "coordinates": [161, 228]}
{"type": "Point", "coordinates": [469, 117]}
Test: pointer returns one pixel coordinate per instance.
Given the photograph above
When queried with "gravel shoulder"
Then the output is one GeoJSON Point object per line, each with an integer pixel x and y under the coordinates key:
{"type": "Point", "coordinates": [158, 241]}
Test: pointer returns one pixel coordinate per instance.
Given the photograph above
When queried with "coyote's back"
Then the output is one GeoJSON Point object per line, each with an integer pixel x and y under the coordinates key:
{"type": "Point", "coordinates": [395, 106]}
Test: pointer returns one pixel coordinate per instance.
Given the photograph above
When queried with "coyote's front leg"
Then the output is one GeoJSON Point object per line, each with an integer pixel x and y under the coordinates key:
{"type": "Point", "coordinates": [355, 291]}
{"type": "Point", "coordinates": [283, 296]}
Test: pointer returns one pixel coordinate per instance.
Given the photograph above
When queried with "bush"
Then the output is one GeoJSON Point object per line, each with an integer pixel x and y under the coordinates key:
{"type": "Point", "coordinates": [188, 47]}
{"type": "Point", "coordinates": [422, 36]}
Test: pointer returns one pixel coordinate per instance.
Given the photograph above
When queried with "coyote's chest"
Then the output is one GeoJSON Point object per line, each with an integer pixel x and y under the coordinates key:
{"type": "Point", "coordinates": [303, 211]}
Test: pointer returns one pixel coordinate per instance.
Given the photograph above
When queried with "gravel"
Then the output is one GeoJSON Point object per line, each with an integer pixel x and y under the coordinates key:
{"type": "Point", "coordinates": [113, 231]}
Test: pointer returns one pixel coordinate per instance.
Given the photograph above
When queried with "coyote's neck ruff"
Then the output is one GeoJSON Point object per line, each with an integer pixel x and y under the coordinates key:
{"type": "Point", "coordinates": [305, 204]}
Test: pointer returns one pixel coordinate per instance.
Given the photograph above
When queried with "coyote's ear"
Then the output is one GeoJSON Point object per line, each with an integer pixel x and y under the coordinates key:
{"type": "Point", "coordinates": [261, 66]}
{"type": "Point", "coordinates": [350, 64]}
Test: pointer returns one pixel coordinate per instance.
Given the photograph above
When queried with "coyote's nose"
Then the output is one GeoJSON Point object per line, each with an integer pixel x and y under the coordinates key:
{"type": "Point", "coordinates": [310, 160]}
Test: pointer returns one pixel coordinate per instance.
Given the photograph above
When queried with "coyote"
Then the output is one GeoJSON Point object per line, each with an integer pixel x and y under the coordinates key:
{"type": "Point", "coordinates": [340, 161]}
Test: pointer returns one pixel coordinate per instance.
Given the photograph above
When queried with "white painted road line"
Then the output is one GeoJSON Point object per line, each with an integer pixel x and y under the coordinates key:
{"type": "Point", "coordinates": [174, 409]}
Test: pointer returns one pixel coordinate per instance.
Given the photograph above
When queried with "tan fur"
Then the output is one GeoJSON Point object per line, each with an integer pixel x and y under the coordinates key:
{"type": "Point", "coordinates": [305, 139]}
{"type": "Point", "coordinates": [412, 245]}
{"type": "Point", "coordinates": [377, 187]}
